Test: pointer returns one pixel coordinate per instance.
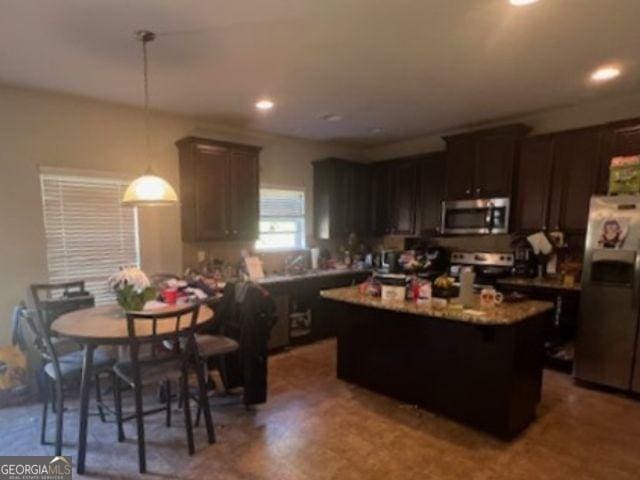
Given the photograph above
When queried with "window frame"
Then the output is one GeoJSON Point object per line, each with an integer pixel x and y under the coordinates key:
{"type": "Point", "coordinates": [301, 221]}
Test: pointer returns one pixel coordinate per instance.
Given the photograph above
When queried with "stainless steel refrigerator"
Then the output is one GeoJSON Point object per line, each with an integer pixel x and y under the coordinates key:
{"type": "Point", "coordinates": [607, 343]}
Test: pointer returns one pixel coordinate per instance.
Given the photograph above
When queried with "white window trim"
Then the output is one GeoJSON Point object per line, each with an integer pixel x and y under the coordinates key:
{"type": "Point", "coordinates": [303, 190]}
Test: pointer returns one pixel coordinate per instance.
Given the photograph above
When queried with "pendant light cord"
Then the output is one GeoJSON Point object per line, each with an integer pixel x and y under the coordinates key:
{"type": "Point", "coordinates": [145, 36]}
{"type": "Point", "coordinates": [147, 125]}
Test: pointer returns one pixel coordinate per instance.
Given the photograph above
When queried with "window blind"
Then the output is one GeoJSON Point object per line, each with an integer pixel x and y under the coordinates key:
{"type": "Point", "coordinates": [89, 234]}
{"type": "Point", "coordinates": [281, 203]}
{"type": "Point", "coordinates": [281, 219]}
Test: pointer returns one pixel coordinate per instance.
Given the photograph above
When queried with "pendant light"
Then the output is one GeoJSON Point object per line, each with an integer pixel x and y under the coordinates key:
{"type": "Point", "coordinates": [149, 189]}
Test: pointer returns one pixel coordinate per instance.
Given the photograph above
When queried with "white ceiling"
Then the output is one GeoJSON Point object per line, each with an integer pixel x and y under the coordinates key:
{"type": "Point", "coordinates": [409, 67]}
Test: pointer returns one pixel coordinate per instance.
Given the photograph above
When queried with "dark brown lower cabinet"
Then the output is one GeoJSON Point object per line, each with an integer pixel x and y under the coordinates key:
{"type": "Point", "coordinates": [302, 295]}
{"type": "Point", "coordinates": [560, 327]}
{"type": "Point", "coordinates": [486, 376]}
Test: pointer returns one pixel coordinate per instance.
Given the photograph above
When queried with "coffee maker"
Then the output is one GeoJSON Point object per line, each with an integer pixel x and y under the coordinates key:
{"type": "Point", "coordinates": [524, 260]}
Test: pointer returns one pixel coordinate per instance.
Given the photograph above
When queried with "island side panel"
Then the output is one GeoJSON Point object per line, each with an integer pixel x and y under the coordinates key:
{"type": "Point", "coordinates": [488, 376]}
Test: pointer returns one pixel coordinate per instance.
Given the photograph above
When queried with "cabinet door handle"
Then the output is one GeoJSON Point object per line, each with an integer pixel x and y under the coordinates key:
{"type": "Point", "coordinates": [478, 190]}
{"type": "Point", "coordinates": [467, 191]}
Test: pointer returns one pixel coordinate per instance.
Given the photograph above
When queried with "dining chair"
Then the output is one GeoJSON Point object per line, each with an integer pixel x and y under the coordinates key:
{"type": "Point", "coordinates": [58, 370]}
{"type": "Point", "coordinates": [214, 349]}
{"type": "Point", "coordinates": [154, 330]}
{"type": "Point", "coordinates": [52, 300]}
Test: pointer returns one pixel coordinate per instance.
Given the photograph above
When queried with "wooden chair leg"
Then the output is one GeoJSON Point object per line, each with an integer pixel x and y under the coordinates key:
{"type": "Point", "coordinates": [59, 417]}
{"type": "Point", "coordinates": [45, 408]}
{"type": "Point", "coordinates": [99, 399]}
{"type": "Point", "coordinates": [117, 401]}
{"type": "Point", "coordinates": [167, 389]}
{"type": "Point", "coordinates": [186, 408]}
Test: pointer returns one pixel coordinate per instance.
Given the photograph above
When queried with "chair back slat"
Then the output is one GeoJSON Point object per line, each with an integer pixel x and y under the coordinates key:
{"type": "Point", "coordinates": [154, 330]}
{"type": "Point", "coordinates": [54, 299]}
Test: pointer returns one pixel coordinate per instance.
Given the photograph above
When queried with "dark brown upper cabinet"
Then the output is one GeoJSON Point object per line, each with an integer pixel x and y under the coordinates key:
{"type": "Point", "coordinates": [576, 155]}
{"type": "Point", "coordinates": [340, 199]}
{"type": "Point", "coordinates": [558, 173]}
{"type": "Point", "coordinates": [535, 167]}
{"type": "Point", "coordinates": [617, 138]}
{"type": "Point", "coordinates": [431, 177]}
{"type": "Point", "coordinates": [219, 190]}
{"type": "Point", "coordinates": [381, 192]}
{"type": "Point", "coordinates": [480, 164]}
{"type": "Point", "coordinates": [394, 196]}
{"type": "Point", "coordinates": [404, 197]}
{"type": "Point", "coordinates": [460, 167]}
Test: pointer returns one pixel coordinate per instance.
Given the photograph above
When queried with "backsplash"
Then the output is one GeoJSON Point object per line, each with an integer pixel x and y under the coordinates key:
{"type": "Point", "coordinates": [476, 243]}
{"type": "Point", "coordinates": [230, 252]}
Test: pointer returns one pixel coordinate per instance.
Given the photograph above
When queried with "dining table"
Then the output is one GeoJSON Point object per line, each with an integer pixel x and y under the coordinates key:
{"type": "Point", "coordinates": [106, 325]}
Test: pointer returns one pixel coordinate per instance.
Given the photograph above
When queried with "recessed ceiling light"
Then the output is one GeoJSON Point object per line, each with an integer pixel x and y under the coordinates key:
{"type": "Point", "coordinates": [330, 117]}
{"type": "Point", "coordinates": [521, 3]}
{"type": "Point", "coordinates": [605, 73]}
{"type": "Point", "coordinates": [264, 105]}
{"type": "Point", "coordinates": [376, 130]}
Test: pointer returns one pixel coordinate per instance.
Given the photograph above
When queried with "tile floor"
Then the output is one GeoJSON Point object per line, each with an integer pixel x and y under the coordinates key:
{"type": "Point", "coordinates": [317, 427]}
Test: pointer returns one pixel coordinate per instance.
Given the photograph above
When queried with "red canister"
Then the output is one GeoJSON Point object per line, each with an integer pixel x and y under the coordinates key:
{"type": "Point", "coordinates": [170, 295]}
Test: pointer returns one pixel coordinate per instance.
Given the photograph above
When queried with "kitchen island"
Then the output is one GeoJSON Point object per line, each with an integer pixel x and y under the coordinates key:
{"type": "Point", "coordinates": [480, 367]}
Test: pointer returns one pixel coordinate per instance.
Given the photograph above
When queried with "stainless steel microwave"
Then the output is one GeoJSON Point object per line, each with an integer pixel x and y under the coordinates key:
{"type": "Point", "coordinates": [487, 215]}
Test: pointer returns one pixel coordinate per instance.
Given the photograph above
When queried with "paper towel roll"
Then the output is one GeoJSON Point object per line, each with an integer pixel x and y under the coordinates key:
{"type": "Point", "coordinates": [467, 277]}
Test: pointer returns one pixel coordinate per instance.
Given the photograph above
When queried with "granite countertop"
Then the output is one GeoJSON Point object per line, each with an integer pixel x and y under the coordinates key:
{"type": "Point", "coordinates": [547, 282]}
{"type": "Point", "coordinates": [505, 314]}
{"type": "Point", "coordinates": [269, 279]}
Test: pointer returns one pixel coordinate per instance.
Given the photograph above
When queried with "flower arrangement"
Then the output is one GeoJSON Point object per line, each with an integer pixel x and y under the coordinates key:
{"type": "Point", "coordinates": [133, 288]}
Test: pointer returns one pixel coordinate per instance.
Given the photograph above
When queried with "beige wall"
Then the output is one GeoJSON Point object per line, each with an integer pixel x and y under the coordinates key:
{"type": "Point", "coordinates": [38, 128]}
{"type": "Point", "coordinates": [553, 120]}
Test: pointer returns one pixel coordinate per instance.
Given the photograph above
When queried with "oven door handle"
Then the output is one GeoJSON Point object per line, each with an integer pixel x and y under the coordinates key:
{"type": "Point", "coordinates": [489, 216]}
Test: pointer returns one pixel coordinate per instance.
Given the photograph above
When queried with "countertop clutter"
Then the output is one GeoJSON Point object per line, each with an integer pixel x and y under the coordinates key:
{"type": "Point", "coordinates": [505, 314]}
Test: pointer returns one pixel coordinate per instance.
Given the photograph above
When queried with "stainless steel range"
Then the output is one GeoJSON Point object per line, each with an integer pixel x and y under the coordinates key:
{"type": "Point", "coordinates": [489, 267]}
